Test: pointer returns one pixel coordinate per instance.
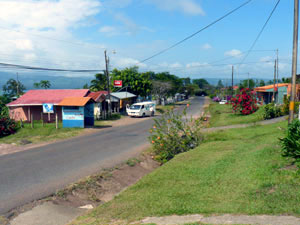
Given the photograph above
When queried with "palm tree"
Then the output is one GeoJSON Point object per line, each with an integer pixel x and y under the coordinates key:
{"type": "Point", "coordinates": [45, 84]}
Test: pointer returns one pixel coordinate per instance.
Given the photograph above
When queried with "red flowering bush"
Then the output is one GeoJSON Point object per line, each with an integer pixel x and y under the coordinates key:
{"type": "Point", "coordinates": [7, 126]}
{"type": "Point", "coordinates": [245, 102]}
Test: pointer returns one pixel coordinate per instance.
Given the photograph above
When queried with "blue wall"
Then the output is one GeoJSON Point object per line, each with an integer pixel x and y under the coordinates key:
{"type": "Point", "coordinates": [73, 123]}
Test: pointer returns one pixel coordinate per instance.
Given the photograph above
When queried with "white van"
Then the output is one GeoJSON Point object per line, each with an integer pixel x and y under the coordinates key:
{"type": "Point", "coordinates": [141, 109]}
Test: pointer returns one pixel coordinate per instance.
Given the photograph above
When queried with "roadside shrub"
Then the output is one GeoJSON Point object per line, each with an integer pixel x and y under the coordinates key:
{"type": "Point", "coordinates": [216, 99]}
{"type": "Point", "coordinates": [286, 106]}
{"type": "Point", "coordinates": [7, 126]}
{"type": "Point", "coordinates": [244, 102]}
{"type": "Point", "coordinates": [291, 143]}
{"type": "Point", "coordinates": [271, 111]}
{"type": "Point", "coordinates": [174, 133]}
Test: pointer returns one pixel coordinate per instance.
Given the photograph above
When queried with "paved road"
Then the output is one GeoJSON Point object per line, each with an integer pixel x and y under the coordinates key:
{"type": "Point", "coordinates": [36, 173]}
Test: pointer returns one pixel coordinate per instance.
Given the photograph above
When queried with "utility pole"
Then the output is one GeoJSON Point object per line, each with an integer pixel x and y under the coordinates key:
{"type": "Point", "coordinates": [108, 82]}
{"type": "Point", "coordinates": [274, 86]}
{"type": "Point", "coordinates": [294, 66]}
{"type": "Point", "coordinates": [232, 92]}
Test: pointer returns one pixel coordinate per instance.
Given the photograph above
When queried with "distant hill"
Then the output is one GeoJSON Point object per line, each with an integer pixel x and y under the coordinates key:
{"type": "Point", "coordinates": [57, 82]}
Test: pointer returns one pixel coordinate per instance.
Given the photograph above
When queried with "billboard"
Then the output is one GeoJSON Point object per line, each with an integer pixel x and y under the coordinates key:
{"type": "Point", "coordinates": [48, 108]}
{"type": "Point", "coordinates": [118, 83]}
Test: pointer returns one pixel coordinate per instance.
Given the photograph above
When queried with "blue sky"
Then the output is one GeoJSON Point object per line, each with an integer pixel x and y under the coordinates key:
{"type": "Point", "coordinates": [137, 29]}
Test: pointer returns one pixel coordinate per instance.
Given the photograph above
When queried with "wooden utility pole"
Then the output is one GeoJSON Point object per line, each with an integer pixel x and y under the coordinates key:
{"type": "Point", "coordinates": [294, 65]}
{"type": "Point", "coordinates": [108, 82]}
{"type": "Point", "coordinates": [232, 92]}
{"type": "Point", "coordinates": [274, 86]}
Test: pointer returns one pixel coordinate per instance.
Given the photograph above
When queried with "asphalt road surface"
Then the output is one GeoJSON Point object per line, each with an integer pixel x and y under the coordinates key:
{"type": "Point", "coordinates": [38, 172]}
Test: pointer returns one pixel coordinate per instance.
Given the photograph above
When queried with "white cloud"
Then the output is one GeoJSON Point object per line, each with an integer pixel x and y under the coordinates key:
{"type": "Point", "coordinates": [196, 64]}
{"type": "Point", "coordinates": [175, 65]}
{"type": "Point", "coordinates": [23, 44]}
{"type": "Point", "coordinates": [109, 30]}
{"type": "Point", "coordinates": [206, 46]}
{"type": "Point", "coordinates": [46, 14]}
{"type": "Point", "coordinates": [122, 62]}
{"type": "Point", "coordinates": [234, 53]}
{"type": "Point", "coordinates": [24, 23]}
{"type": "Point", "coordinates": [186, 6]}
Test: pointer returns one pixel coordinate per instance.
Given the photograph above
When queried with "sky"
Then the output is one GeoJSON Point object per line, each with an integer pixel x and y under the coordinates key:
{"type": "Point", "coordinates": [73, 34]}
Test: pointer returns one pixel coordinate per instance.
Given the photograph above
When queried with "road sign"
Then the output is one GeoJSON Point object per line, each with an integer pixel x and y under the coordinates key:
{"type": "Point", "coordinates": [48, 108]}
{"type": "Point", "coordinates": [118, 83]}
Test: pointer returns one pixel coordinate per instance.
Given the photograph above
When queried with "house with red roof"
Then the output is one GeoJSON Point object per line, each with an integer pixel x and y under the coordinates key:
{"type": "Point", "coordinates": [30, 105]}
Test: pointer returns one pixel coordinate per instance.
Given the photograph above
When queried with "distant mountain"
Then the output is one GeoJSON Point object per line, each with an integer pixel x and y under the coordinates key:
{"type": "Point", "coordinates": [57, 82]}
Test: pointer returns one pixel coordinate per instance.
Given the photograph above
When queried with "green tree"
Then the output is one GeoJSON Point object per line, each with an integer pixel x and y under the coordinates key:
{"type": "Point", "coordinates": [99, 83]}
{"type": "Point", "coordinates": [137, 83]}
{"type": "Point", "coordinates": [36, 85]}
{"type": "Point", "coordinates": [262, 83]}
{"type": "Point", "coordinates": [13, 88]}
{"type": "Point", "coordinates": [244, 84]}
{"type": "Point", "coordinates": [177, 83]}
{"type": "Point", "coordinates": [3, 108]}
{"type": "Point", "coordinates": [45, 84]}
{"type": "Point", "coordinates": [202, 83]}
{"type": "Point", "coordinates": [220, 84]}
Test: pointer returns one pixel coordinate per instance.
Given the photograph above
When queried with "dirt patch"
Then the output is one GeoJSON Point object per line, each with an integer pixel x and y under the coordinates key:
{"type": "Point", "coordinates": [99, 188]}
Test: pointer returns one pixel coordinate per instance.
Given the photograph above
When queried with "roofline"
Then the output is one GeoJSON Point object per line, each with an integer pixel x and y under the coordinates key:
{"type": "Point", "coordinates": [30, 104]}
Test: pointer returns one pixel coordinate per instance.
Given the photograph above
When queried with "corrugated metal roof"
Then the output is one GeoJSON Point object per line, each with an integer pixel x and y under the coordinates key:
{"type": "Point", "coordinates": [52, 96]}
{"type": "Point", "coordinates": [75, 101]}
{"type": "Point", "coordinates": [265, 88]}
{"type": "Point", "coordinates": [123, 95]}
{"type": "Point", "coordinates": [96, 95]}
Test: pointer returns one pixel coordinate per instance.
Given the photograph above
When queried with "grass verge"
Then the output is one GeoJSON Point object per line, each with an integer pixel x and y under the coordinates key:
{"type": "Point", "coordinates": [40, 133]}
{"type": "Point", "coordinates": [222, 115]}
{"type": "Point", "coordinates": [238, 171]}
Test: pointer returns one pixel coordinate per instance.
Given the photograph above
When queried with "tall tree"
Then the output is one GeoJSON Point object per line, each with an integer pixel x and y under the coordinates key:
{"type": "Point", "coordinates": [45, 84]}
{"type": "Point", "coordinates": [37, 85]}
{"type": "Point", "coordinates": [160, 89]}
{"type": "Point", "coordinates": [220, 84]}
{"type": "Point", "coordinates": [137, 83]}
{"type": "Point", "coordinates": [262, 83]}
{"type": "Point", "coordinates": [202, 83]}
{"type": "Point", "coordinates": [13, 88]}
{"type": "Point", "coordinates": [244, 84]}
{"type": "Point", "coordinates": [99, 83]}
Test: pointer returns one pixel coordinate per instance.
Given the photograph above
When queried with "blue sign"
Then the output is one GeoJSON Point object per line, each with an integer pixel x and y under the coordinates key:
{"type": "Point", "coordinates": [48, 108]}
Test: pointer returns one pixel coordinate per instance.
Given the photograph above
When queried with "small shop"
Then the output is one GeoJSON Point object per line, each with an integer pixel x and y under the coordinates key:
{"type": "Point", "coordinates": [77, 112]}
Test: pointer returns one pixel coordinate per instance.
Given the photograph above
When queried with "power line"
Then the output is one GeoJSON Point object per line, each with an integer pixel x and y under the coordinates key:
{"type": "Point", "coordinates": [7, 65]}
{"type": "Point", "coordinates": [261, 31]}
{"type": "Point", "coordinates": [194, 34]}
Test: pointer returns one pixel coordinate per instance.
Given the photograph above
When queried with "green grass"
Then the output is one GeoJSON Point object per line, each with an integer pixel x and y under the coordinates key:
{"type": "Point", "coordinates": [163, 108]}
{"type": "Point", "coordinates": [40, 133]}
{"type": "Point", "coordinates": [222, 115]}
{"type": "Point", "coordinates": [238, 171]}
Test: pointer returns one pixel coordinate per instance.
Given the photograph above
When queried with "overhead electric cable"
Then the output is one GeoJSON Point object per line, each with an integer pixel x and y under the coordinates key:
{"type": "Point", "coordinates": [7, 65]}
{"type": "Point", "coordinates": [194, 34]}
{"type": "Point", "coordinates": [261, 31]}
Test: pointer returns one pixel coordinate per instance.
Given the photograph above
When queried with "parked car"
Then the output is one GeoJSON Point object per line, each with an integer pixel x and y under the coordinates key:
{"type": "Point", "coordinates": [141, 109]}
{"type": "Point", "coordinates": [223, 102]}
